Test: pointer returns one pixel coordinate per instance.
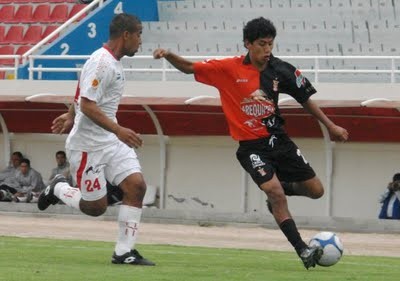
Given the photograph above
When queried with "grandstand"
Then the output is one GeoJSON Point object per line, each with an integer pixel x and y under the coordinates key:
{"type": "Point", "coordinates": [351, 50]}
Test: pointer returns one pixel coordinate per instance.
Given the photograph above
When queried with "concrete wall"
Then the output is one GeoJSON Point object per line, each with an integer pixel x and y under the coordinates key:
{"type": "Point", "coordinates": [202, 174]}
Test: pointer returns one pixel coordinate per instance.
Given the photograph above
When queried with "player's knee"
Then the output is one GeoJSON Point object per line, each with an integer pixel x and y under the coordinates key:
{"type": "Point", "coordinates": [94, 209]}
{"type": "Point", "coordinates": [317, 192]}
{"type": "Point", "coordinates": [136, 191]}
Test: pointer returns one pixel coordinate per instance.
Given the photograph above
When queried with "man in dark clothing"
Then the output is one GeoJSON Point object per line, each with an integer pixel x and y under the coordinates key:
{"type": "Point", "coordinates": [249, 87]}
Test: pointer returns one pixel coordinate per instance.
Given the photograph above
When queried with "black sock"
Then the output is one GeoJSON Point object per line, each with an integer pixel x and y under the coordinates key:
{"type": "Point", "coordinates": [289, 228]}
{"type": "Point", "coordinates": [288, 188]}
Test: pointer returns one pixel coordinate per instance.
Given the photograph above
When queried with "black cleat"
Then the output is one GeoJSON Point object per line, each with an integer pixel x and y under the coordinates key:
{"type": "Point", "coordinates": [47, 197]}
{"type": "Point", "coordinates": [310, 256]}
{"type": "Point", "coordinates": [132, 257]}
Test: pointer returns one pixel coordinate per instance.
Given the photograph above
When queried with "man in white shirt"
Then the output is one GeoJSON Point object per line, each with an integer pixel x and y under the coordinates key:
{"type": "Point", "coordinates": [100, 150]}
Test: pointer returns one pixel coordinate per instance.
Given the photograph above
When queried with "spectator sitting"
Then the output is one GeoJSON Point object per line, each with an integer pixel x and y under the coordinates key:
{"type": "Point", "coordinates": [390, 200]}
{"type": "Point", "coordinates": [62, 167]}
{"type": "Point", "coordinates": [8, 182]}
{"type": "Point", "coordinates": [30, 183]}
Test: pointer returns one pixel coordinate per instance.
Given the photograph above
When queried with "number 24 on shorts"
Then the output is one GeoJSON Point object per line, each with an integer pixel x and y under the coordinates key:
{"type": "Point", "coordinates": [92, 185]}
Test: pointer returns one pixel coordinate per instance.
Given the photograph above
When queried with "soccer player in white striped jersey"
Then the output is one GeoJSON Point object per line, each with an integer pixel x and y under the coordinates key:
{"type": "Point", "coordinates": [98, 148]}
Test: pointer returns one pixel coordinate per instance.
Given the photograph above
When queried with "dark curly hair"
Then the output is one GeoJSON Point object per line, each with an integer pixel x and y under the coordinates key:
{"type": "Point", "coordinates": [258, 28]}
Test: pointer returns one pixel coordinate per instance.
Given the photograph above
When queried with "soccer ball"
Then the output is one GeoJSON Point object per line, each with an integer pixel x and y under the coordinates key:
{"type": "Point", "coordinates": [332, 246]}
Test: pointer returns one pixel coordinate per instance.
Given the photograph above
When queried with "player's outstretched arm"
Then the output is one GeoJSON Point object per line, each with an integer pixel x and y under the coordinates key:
{"type": "Point", "coordinates": [64, 122]}
{"type": "Point", "coordinates": [93, 112]}
{"type": "Point", "coordinates": [178, 62]}
{"type": "Point", "coordinates": [337, 132]}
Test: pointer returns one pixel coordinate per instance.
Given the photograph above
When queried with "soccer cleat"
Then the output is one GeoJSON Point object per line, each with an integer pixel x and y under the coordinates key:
{"type": "Point", "coordinates": [311, 255]}
{"type": "Point", "coordinates": [47, 197]}
{"type": "Point", "coordinates": [6, 195]}
{"type": "Point", "coordinates": [132, 257]}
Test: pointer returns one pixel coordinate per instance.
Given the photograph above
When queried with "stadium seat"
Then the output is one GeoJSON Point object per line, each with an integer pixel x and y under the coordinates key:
{"type": "Point", "coordinates": [25, 1]}
{"type": "Point", "coordinates": [14, 35]}
{"type": "Point", "coordinates": [59, 13]}
{"type": "Point", "coordinates": [22, 50]}
{"type": "Point", "coordinates": [41, 14]}
{"type": "Point", "coordinates": [49, 29]}
{"type": "Point", "coordinates": [2, 33]}
{"type": "Point", "coordinates": [148, 48]}
{"type": "Point", "coordinates": [23, 14]}
{"type": "Point", "coordinates": [7, 13]}
{"type": "Point", "coordinates": [188, 48]}
{"type": "Point", "coordinates": [224, 4]}
{"type": "Point", "coordinates": [76, 9]}
{"type": "Point", "coordinates": [6, 1]}
{"type": "Point", "coordinates": [7, 50]}
{"type": "Point", "coordinates": [207, 48]}
{"type": "Point", "coordinates": [33, 34]}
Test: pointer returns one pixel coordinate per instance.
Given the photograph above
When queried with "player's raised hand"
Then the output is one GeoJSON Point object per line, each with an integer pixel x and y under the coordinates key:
{"type": "Point", "coordinates": [62, 123]}
{"type": "Point", "coordinates": [339, 133]}
{"type": "Point", "coordinates": [129, 137]}
{"type": "Point", "coordinates": [159, 53]}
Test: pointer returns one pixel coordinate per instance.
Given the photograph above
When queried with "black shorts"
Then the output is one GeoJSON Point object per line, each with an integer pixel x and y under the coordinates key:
{"type": "Point", "coordinates": [277, 154]}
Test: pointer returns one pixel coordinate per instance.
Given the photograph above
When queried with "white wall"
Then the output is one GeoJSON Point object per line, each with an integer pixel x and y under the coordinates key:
{"type": "Point", "coordinates": [203, 173]}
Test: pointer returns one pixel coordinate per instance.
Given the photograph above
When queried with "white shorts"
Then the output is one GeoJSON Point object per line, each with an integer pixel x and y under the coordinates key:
{"type": "Point", "coordinates": [90, 170]}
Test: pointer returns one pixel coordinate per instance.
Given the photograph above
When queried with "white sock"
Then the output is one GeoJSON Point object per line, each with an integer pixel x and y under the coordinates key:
{"type": "Point", "coordinates": [71, 196]}
{"type": "Point", "coordinates": [128, 220]}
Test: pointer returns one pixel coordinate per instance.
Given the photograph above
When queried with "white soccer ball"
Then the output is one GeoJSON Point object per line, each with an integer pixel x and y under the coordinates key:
{"type": "Point", "coordinates": [332, 246]}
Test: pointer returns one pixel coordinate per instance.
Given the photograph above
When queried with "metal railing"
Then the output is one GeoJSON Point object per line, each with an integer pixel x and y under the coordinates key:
{"type": "Point", "coordinates": [392, 62]}
{"type": "Point", "coordinates": [164, 69]}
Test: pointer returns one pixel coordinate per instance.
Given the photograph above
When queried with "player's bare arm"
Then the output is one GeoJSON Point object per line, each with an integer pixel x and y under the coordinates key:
{"type": "Point", "coordinates": [337, 132]}
{"type": "Point", "coordinates": [92, 111]}
{"type": "Point", "coordinates": [64, 122]}
{"type": "Point", "coordinates": [178, 62]}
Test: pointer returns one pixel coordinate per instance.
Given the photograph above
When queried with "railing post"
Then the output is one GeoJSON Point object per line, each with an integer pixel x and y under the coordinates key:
{"type": "Point", "coordinates": [316, 70]}
{"type": "Point", "coordinates": [164, 67]}
{"type": "Point", "coordinates": [30, 67]}
{"type": "Point", "coordinates": [392, 77]}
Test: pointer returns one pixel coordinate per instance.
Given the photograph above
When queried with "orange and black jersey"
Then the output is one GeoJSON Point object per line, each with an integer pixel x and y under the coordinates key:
{"type": "Point", "coordinates": [240, 83]}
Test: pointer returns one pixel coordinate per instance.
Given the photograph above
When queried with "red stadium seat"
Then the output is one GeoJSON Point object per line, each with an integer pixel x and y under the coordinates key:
{"type": "Point", "coordinates": [41, 13]}
{"type": "Point", "coordinates": [75, 9]}
{"type": "Point", "coordinates": [7, 13]}
{"type": "Point", "coordinates": [14, 35]}
{"type": "Point", "coordinates": [22, 1]}
{"type": "Point", "coordinates": [2, 33]}
{"type": "Point", "coordinates": [7, 50]}
{"type": "Point", "coordinates": [59, 13]}
{"type": "Point", "coordinates": [49, 29]}
{"type": "Point", "coordinates": [33, 34]}
{"type": "Point", "coordinates": [6, 1]}
{"type": "Point", "coordinates": [23, 14]}
{"type": "Point", "coordinates": [22, 50]}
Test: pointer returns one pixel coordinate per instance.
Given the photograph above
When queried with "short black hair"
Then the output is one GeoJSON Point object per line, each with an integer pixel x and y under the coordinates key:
{"type": "Point", "coordinates": [258, 28]}
{"type": "Point", "coordinates": [26, 161]}
{"type": "Point", "coordinates": [19, 154]}
{"type": "Point", "coordinates": [61, 152]}
{"type": "Point", "coordinates": [396, 177]}
{"type": "Point", "coordinates": [123, 22]}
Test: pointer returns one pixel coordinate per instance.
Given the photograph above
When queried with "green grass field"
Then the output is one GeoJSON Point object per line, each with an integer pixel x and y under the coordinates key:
{"type": "Point", "coordinates": [23, 259]}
